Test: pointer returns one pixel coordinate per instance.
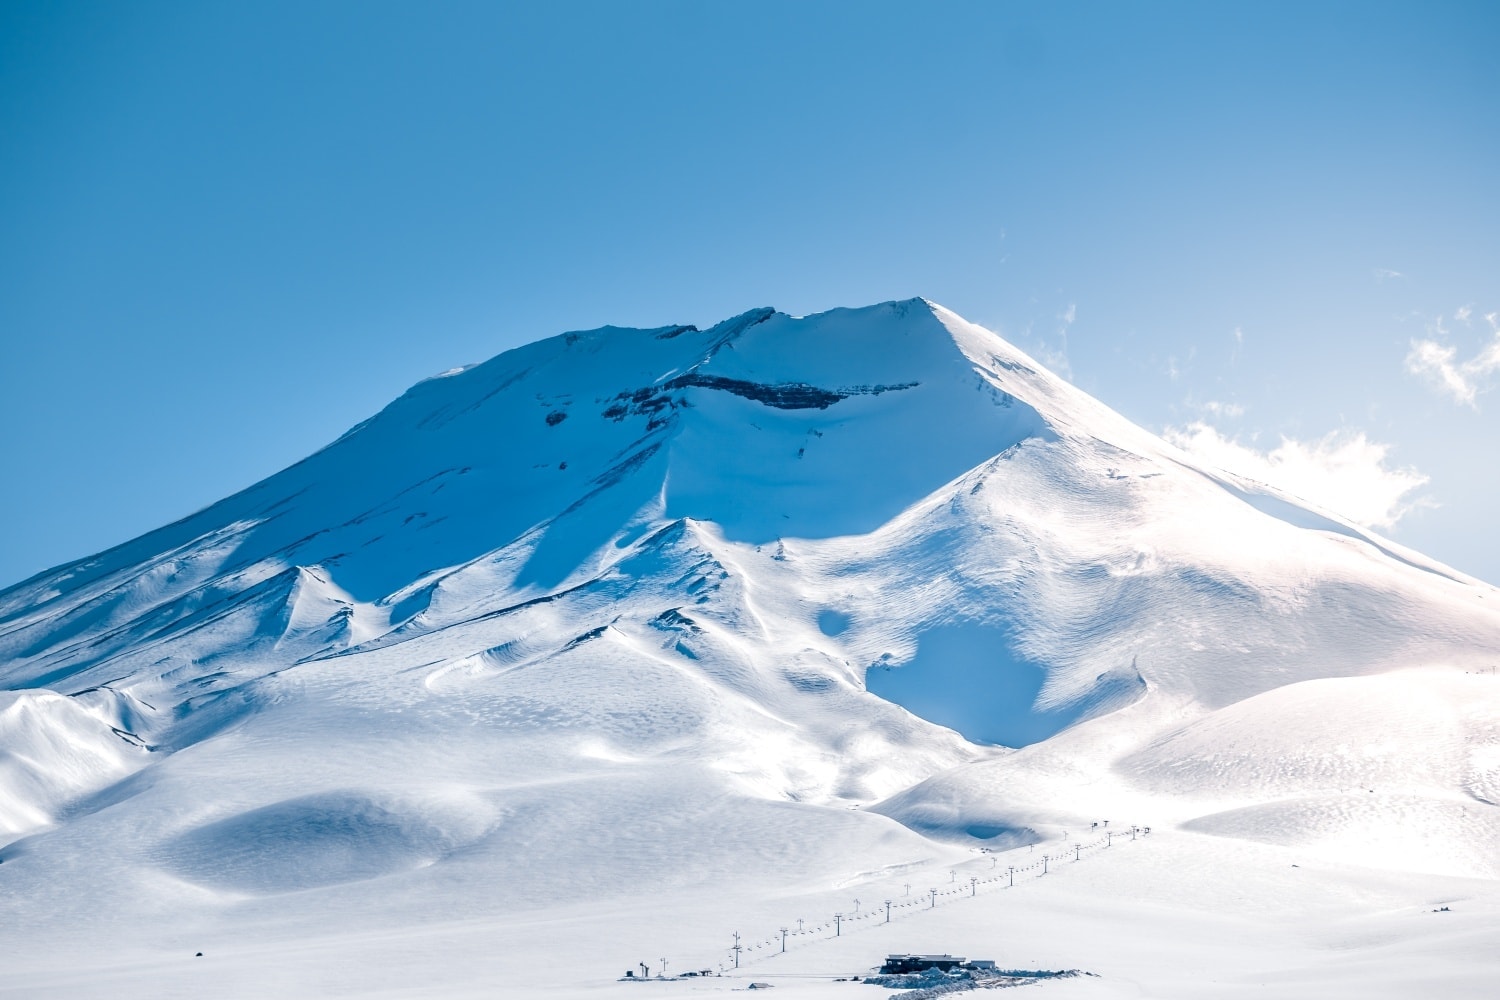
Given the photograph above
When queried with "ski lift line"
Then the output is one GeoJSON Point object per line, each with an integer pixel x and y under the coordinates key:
{"type": "Point", "coordinates": [929, 900]}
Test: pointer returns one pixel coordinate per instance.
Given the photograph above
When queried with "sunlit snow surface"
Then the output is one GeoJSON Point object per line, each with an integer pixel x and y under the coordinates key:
{"type": "Point", "coordinates": [558, 665]}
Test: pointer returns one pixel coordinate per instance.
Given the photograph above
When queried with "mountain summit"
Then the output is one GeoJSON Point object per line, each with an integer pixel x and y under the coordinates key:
{"type": "Point", "coordinates": [629, 605]}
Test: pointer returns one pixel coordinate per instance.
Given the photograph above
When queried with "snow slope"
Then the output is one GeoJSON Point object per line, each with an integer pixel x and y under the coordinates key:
{"type": "Point", "coordinates": [603, 640]}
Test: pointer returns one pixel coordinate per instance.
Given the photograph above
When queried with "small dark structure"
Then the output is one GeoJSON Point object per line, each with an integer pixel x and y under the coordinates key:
{"type": "Point", "coordinates": [929, 975]}
{"type": "Point", "coordinates": [898, 965]}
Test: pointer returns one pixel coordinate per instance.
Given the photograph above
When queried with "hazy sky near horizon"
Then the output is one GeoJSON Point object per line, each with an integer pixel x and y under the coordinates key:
{"type": "Point", "coordinates": [230, 231]}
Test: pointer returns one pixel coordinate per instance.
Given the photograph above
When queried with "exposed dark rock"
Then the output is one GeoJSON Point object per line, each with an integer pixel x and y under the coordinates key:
{"type": "Point", "coordinates": [1013, 366]}
{"type": "Point", "coordinates": [786, 396]}
{"type": "Point", "coordinates": [592, 633]}
{"type": "Point", "coordinates": [653, 400]}
{"type": "Point", "coordinates": [674, 619]}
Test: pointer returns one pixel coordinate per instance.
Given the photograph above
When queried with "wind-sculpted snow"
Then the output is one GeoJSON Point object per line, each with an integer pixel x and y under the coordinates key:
{"type": "Point", "coordinates": [1001, 691]}
{"type": "Point", "coordinates": [53, 750]}
{"type": "Point", "coordinates": [629, 616]}
{"type": "Point", "coordinates": [318, 840]}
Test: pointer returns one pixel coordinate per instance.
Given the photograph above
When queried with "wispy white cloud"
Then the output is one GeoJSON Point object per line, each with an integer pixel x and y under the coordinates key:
{"type": "Point", "coordinates": [1050, 351]}
{"type": "Point", "coordinates": [1386, 274]}
{"type": "Point", "coordinates": [1056, 359]}
{"type": "Point", "coordinates": [1436, 360]}
{"type": "Point", "coordinates": [1343, 471]}
{"type": "Point", "coordinates": [1178, 367]}
{"type": "Point", "coordinates": [1053, 351]}
{"type": "Point", "coordinates": [1220, 409]}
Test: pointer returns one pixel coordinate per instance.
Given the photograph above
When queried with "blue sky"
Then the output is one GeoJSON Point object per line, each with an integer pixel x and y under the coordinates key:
{"type": "Point", "coordinates": [230, 231]}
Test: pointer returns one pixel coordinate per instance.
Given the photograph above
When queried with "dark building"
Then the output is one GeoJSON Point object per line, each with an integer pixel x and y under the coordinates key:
{"type": "Point", "coordinates": [896, 965]}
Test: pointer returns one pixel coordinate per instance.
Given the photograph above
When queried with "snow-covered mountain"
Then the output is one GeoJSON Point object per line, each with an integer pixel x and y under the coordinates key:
{"type": "Point", "coordinates": [634, 614]}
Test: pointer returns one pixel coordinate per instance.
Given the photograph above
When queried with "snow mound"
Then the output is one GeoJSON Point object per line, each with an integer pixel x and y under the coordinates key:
{"type": "Point", "coordinates": [1334, 735]}
{"type": "Point", "coordinates": [1444, 835]}
{"type": "Point", "coordinates": [306, 842]}
{"type": "Point", "coordinates": [53, 752]}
